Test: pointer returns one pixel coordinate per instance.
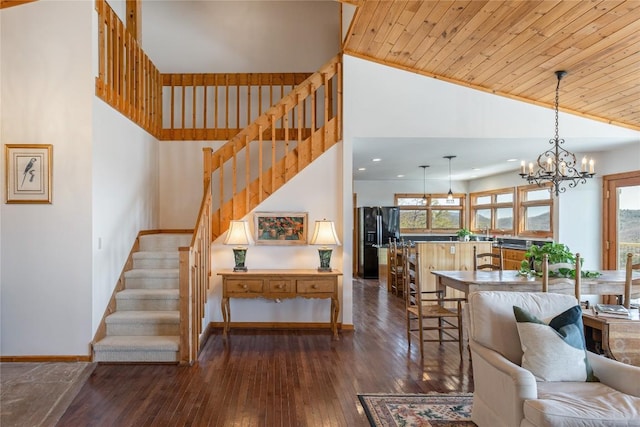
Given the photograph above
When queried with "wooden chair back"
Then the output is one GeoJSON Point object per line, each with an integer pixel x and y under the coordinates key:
{"type": "Point", "coordinates": [480, 260]}
{"type": "Point", "coordinates": [577, 279]}
{"type": "Point", "coordinates": [629, 267]}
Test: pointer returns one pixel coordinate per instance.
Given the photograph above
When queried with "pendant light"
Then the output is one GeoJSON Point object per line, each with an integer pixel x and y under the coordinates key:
{"type": "Point", "coordinates": [450, 193]}
{"type": "Point", "coordinates": [424, 183]}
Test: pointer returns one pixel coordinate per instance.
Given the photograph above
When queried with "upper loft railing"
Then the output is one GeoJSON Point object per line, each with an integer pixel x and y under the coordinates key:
{"type": "Point", "coordinates": [127, 79]}
{"type": "Point", "coordinates": [216, 106]}
{"type": "Point", "coordinates": [209, 106]}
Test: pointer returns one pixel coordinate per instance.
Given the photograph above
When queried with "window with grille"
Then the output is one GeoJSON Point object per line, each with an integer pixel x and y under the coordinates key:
{"type": "Point", "coordinates": [430, 213]}
{"type": "Point", "coordinates": [535, 205]}
{"type": "Point", "coordinates": [493, 212]}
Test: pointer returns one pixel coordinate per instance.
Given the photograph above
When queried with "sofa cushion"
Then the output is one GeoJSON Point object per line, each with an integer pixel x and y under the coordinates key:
{"type": "Point", "coordinates": [554, 350]}
{"type": "Point", "coordinates": [562, 404]}
{"type": "Point", "coordinates": [491, 317]}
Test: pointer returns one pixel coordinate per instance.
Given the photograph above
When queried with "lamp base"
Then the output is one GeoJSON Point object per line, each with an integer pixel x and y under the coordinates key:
{"type": "Point", "coordinates": [324, 269]}
{"type": "Point", "coordinates": [325, 259]}
{"type": "Point", "coordinates": [239, 256]}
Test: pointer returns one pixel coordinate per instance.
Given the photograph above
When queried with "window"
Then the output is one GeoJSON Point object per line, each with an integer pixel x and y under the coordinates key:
{"type": "Point", "coordinates": [433, 214]}
{"type": "Point", "coordinates": [493, 211]}
{"type": "Point", "coordinates": [536, 211]}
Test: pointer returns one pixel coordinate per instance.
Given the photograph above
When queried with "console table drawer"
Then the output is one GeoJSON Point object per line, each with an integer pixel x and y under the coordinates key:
{"type": "Point", "coordinates": [243, 286]}
{"type": "Point", "coordinates": [315, 286]}
{"type": "Point", "coordinates": [280, 285]}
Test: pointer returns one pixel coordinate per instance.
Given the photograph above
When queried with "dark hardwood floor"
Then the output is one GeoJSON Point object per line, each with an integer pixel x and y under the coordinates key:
{"type": "Point", "coordinates": [276, 378]}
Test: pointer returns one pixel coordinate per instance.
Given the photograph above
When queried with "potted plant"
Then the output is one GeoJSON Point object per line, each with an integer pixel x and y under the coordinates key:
{"type": "Point", "coordinates": [561, 261]}
{"type": "Point", "coordinates": [463, 234]}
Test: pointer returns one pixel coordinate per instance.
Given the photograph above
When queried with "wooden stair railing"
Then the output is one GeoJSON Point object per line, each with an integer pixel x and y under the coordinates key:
{"type": "Point", "coordinates": [127, 79]}
{"type": "Point", "coordinates": [240, 189]}
{"type": "Point", "coordinates": [195, 273]}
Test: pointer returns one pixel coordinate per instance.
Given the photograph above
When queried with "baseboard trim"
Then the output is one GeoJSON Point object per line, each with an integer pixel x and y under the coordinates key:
{"type": "Point", "coordinates": [44, 358]}
{"type": "Point", "coordinates": [276, 325]}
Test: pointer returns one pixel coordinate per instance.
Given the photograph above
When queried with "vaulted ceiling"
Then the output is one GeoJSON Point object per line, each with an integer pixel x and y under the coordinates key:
{"type": "Point", "coordinates": [512, 48]}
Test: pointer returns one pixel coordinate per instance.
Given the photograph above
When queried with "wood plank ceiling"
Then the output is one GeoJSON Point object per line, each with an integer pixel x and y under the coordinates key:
{"type": "Point", "coordinates": [9, 3]}
{"type": "Point", "coordinates": [512, 48]}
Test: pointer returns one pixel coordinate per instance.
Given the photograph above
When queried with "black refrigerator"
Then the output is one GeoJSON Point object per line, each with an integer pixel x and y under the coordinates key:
{"type": "Point", "coordinates": [376, 225]}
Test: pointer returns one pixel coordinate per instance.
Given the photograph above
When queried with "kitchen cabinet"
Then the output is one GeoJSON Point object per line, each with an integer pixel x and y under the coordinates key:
{"type": "Point", "coordinates": [511, 258]}
{"type": "Point", "coordinates": [456, 256]}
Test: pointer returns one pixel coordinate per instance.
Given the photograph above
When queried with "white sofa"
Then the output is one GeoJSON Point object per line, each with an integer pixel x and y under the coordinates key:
{"type": "Point", "coordinates": [506, 395]}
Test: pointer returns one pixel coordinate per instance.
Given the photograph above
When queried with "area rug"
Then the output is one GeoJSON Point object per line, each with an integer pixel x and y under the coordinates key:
{"type": "Point", "coordinates": [408, 410]}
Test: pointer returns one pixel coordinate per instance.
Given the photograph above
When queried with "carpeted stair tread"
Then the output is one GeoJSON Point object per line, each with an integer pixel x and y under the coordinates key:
{"type": "Point", "coordinates": [147, 316]}
{"type": "Point", "coordinates": [136, 343]}
{"type": "Point", "coordinates": [164, 273]}
{"type": "Point", "coordinates": [148, 294]}
{"type": "Point", "coordinates": [156, 260]}
{"type": "Point", "coordinates": [164, 241]}
{"type": "Point", "coordinates": [156, 254]}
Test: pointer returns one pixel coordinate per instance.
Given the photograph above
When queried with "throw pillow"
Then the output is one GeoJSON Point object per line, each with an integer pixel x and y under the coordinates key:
{"type": "Point", "coordinates": [555, 351]}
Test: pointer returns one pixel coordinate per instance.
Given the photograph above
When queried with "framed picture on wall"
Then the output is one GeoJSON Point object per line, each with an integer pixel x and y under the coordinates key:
{"type": "Point", "coordinates": [28, 173]}
{"type": "Point", "coordinates": [281, 228]}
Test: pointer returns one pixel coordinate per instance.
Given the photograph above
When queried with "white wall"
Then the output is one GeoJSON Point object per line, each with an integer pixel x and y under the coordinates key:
{"type": "Point", "coordinates": [240, 36]}
{"type": "Point", "coordinates": [46, 93]}
{"type": "Point", "coordinates": [181, 182]}
{"type": "Point", "coordinates": [381, 193]}
{"type": "Point", "coordinates": [126, 196]}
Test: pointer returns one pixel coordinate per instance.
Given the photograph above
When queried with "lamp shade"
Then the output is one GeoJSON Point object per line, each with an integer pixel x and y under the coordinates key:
{"type": "Point", "coordinates": [238, 234]}
{"type": "Point", "coordinates": [325, 233]}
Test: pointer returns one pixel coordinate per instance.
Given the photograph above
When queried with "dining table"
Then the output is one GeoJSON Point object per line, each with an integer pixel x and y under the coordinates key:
{"type": "Point", "coordinates": [608, 282]}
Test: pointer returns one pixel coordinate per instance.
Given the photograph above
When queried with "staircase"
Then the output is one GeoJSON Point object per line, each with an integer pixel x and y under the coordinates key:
{"type": "Point", "coordinates": [145, 326]}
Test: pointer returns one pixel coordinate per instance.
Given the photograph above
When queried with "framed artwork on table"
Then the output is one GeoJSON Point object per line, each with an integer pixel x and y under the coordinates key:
{"type": "Point", "coordinates": [280, 228]}
{"type": "Point", "coordinates": [28, 169]}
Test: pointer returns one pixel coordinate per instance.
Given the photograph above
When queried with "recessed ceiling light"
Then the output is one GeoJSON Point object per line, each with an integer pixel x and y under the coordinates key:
{"type": "Point", "coordinates": [375, 160]}
{"type": "Point", "coordinates": [362, 169]}
{"type": "Point", "coordinates": [512, 160]}
{"type": "Point", "coordinates": [400, 176]}
{"type": "Point", "coordinates": [476, 169]}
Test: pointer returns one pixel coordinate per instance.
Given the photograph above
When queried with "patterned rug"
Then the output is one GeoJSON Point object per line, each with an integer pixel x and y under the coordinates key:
{"type": "Point", "coordinates": [408, 410]}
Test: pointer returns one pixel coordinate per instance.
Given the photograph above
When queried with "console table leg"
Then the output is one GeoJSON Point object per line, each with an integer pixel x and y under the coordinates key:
{"type": "Point", "coordinates": [226, 316]}
{"type": "Point", "coordinates": [335, 309]}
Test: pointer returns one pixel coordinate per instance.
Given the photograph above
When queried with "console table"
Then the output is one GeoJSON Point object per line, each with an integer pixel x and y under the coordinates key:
{"type": "Point", "coordinates": [280, 284]}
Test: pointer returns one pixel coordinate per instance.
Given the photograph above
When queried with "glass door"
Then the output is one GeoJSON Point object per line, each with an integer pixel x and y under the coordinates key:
{"type": "Point", "coordinates": [621, 219]}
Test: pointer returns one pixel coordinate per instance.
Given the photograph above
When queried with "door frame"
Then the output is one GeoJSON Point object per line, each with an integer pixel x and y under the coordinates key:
{"type": "Point", "coordinates": [610, 183]}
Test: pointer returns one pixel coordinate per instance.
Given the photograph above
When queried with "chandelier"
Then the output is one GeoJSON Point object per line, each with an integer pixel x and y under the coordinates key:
{"type": "Point", "coordinates": [558, 165]}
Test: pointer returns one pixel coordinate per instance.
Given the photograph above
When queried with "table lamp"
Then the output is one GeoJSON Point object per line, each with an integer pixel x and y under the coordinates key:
{"type": "Point", "coordinates": [238, 234]}
{"type": "Point", "coordinates": [325, 234]}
